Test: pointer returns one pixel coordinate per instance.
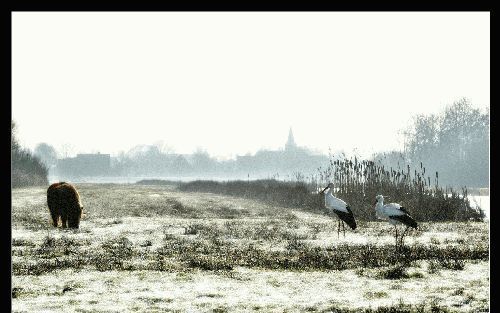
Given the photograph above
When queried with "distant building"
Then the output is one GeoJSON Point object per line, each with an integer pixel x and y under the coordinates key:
{"type": "Point", "coordinates": [290, 144]}
{"type": "Point", "coordinates": [84, 165]}
{"type": "Point", "coordinates": [291, 159]}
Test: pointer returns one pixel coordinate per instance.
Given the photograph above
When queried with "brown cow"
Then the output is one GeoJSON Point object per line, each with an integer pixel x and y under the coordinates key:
{"type": "Point", "coordinates": [64, 201]}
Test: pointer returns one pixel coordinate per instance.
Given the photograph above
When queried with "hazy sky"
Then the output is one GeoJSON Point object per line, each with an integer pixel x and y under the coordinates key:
{"type": "Point", "coordinates": [234, 82]}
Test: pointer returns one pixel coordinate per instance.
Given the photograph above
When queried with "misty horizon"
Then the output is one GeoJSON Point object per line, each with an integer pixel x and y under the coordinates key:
{"type": "Point", "coordinates": [67, 150]}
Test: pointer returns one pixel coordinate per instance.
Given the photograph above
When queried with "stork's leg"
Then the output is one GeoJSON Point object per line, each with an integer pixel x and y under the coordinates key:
{"type": "Point", "coordinates": [403, 236]}
{"type": "Point", "coordinates": [343, 227]}
{"type": "Point", "coordinates": [401, 239]}
{"type": "Point", "coordinates": [396, 229]}
{"type": "Point", "coordinates": [338, 230]}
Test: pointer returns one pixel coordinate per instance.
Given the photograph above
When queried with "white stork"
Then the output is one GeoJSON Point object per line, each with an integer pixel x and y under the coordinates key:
{"type": "Point", "coordinates": [395, 214]}
{"type": "Point", "coordinates": [340, 208]}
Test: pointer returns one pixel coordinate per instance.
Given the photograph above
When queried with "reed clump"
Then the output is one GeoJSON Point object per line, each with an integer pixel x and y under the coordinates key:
{"type": "Point", "coordinates": [358, 182]}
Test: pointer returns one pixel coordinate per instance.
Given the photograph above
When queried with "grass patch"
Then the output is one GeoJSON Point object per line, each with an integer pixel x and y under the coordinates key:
{"type": "Point", "coordinates": [214, 248]}
{"type": "Point", "coordinates": [397, 271]}
{"type": "Point", "coordinates": [287, 194]}
{"type": "Point", "coordinates": [215, 253]}
{"type": "Point", "coordinates": [397, 308]}
{"type": "Point", "coordinates": [445, 263]}
{"type": "Point", "coordinates": [376, 294]}
{"type": "Point", "coordinates": [17, 292]}
{"type": "Point", "coordinates": [16, 242]}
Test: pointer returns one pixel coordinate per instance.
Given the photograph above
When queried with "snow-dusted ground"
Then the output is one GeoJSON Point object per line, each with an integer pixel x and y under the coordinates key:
{"type": "Point", "coordinates": [244, 290]}
{"type": "Point", "coordinates": [112, 212]}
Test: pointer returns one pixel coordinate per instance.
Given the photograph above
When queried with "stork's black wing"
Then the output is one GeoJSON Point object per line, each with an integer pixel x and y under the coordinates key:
{"type": "Point", "coordinates": [404, 210]}
{"type": "Point", "coordinates": [347, 217]}
{"type": "Point", "coordinates": [405, 219]}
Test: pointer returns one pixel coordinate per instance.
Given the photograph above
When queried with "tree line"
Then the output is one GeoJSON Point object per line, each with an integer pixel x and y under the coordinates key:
{"type": "Point", "coordinates": [26, 169]}
{"type": "Point", "coordinates": [451, 146]}
{"type": "Point", "coordinates": [150, 160]}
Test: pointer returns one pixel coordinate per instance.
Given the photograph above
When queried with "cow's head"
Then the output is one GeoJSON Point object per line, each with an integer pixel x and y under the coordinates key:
{"type": "Point", "coordinates": [74, 221]}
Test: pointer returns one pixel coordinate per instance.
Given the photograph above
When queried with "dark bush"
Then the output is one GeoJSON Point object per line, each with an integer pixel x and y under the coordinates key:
{"type": "Point", "coordinates": [27, 170]}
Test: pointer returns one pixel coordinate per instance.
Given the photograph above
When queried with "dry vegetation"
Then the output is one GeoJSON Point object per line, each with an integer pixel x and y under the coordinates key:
{"type": "Point", "coordinates": [155, 248]}
{"type": "Point", "coordinates": [357, 182]}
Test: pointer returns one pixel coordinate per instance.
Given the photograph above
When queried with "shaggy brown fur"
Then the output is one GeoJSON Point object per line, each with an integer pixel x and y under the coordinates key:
{"type": "Point", "coordinates": [64, 201]}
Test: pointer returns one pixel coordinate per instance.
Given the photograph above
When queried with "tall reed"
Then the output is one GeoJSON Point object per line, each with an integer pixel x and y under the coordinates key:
{"type": "Point", "coordinates": [358, 182]}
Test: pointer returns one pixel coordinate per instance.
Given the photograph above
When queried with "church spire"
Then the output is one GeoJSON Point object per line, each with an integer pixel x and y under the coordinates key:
{"type": "Point", "coordinates": [290, 144]}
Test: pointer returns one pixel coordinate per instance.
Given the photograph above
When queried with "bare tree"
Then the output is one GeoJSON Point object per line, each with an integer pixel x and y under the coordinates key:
{"type": "Point", "coordinates": [455, 143]}
{"type": "Point", "coordinates": [46, 153]}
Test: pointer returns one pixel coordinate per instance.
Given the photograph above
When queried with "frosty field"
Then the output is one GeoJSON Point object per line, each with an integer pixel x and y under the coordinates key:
{"type": "Point", "coordinates": [156, 249]}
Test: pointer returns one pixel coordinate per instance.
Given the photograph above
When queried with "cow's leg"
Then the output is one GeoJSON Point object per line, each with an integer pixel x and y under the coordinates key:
{"type": "Point", "coordinates": [54, 211]}
{"type": "Point", "coordinates": [64, 220]}
{"type": "Point", "coordinates": [74, 219]}
{"type": "Point", "coordinates": [55, 218]}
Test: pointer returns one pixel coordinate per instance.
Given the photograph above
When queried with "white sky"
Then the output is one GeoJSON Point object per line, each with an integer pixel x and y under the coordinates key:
{"type": "Point", "coordinates": [234, 82]}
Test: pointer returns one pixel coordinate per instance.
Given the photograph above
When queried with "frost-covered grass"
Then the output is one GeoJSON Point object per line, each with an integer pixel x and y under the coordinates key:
{"type": "Point", "coordinates": [154, 248]}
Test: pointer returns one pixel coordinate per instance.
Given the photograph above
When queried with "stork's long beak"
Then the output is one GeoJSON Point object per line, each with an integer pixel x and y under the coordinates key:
{"type": "Point", "coordinates": [323, 191]}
